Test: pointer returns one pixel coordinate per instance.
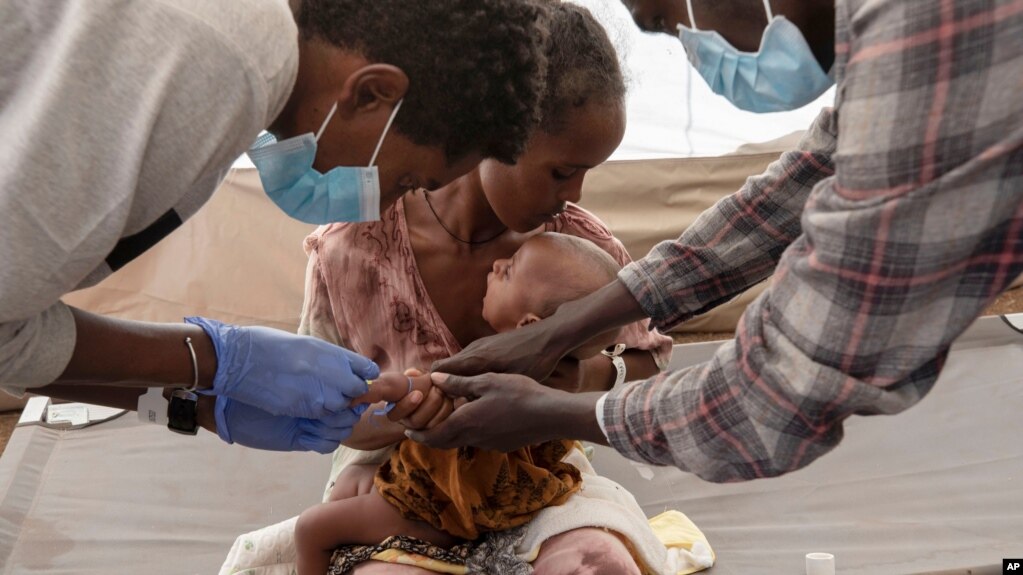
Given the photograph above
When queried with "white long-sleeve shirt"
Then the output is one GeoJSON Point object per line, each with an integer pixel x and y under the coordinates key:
{"type": "Point", "coordinates": [118, 119]}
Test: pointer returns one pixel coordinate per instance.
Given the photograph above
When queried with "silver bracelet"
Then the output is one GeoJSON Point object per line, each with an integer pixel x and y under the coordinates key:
{"type": "Point", "coordinates": [195, 365]}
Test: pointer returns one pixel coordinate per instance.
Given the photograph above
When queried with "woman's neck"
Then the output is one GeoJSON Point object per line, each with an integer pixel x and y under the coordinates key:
{"type": "Point", "coordinates": [462, 207]}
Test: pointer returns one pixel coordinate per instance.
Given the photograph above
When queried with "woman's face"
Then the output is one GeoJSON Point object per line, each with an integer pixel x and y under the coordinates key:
{"type": "Point", "coordinates": [551, 170]}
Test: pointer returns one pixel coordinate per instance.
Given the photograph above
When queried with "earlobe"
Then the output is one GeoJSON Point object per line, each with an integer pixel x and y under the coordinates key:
{"type": "Point", "coordinates": [373, 86]}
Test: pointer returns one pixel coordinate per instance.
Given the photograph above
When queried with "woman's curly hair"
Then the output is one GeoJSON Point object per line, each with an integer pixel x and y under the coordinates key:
{"type": "Point", "coordinates": [476, 68]}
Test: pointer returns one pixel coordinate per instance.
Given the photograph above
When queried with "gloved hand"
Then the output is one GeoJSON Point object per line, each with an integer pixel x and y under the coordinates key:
{"type": "Point", "coordinates": [252, 427]}
{"type": "Point", "coordinates": [283, 373]}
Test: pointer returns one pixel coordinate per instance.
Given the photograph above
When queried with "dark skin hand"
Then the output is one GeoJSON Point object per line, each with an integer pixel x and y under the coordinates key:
{"type": "Point", "coordinates": [534, 350]}
{"type": "Point", "coordinates": [540, 414]}
{"type": "Point", "coordinates": [505, 412]}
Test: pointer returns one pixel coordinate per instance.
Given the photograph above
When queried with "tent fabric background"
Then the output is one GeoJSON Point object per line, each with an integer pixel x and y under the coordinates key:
{"type": "Point", "coordinates": [240, 259]}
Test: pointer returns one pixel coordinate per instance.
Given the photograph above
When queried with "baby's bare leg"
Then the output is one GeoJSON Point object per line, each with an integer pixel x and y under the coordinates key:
{"type": "Point", "coordinates": [353, 480]}
{"type": "Point", "coordinates": [363, 519]}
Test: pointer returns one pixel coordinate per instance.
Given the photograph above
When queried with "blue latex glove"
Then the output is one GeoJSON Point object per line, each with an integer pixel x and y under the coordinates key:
{"type": "Point", "coordinates": [283, 373]}
{"type": "Point", "coordinates": [252, 427]}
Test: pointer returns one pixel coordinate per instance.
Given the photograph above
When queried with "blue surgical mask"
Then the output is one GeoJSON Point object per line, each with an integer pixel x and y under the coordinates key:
{"type": "Point", "coordinates": [782, 75]}
{"type": "Point", "coordinates": [344, 194]}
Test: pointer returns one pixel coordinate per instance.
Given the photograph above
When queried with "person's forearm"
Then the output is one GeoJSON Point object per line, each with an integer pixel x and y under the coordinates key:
{"type": "Point", "coordinates": [572, 416]}
{"type": "Point", "coordinates": [137, 354]}
{"type": "Point", "coordinates": [108, 395]}
{"type": "Point", "coordinates": [736, 243]}
{"type": "Point", "coordinates": [122, 398]}
{"type": "Point", "coordinates": [608, 308]}
{"type": "Point", "coordinates": [639, 364]}
{"type": "Point", "coordinates": [600, 373]}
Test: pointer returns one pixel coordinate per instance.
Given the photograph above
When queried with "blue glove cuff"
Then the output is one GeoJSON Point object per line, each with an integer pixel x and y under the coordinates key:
{"type": "Point", "coordinates": [212, 329]}
{"type": "Point", "coordinates": [220, 417]}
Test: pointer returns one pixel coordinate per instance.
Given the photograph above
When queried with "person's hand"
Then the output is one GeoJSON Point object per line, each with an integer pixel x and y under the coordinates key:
{"type": "Point", "coordinates": [529, 350]}
{"type": "Point", "coordinates": [504, 412]}
{"type": "Point", "coordinates": [435, 408]}
{"type": "Point", "coordinates": [285, 374]}
{"type": "Point", "coordinates": [252, 427]}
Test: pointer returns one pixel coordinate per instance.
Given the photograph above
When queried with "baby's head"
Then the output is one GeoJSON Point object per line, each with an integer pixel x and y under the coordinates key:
{"type": "Point", "coordinates": [548, 270]}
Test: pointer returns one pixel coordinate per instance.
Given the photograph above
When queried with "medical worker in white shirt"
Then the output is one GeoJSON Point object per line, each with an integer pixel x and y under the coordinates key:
{"type": "Point", "coordinates": [119, 118]}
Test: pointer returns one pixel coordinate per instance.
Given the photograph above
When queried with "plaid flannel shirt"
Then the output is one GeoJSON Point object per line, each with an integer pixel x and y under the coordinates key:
{"type": "Point", "coordinates": [890, 229]}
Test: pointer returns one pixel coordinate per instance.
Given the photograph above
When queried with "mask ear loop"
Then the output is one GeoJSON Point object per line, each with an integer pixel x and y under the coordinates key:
{"type": "Point", "coordinates": [323, 126]}
{"type": "Point", "coordinates": [692, 21]}
{"type": "Point", "coordinates": [689, 83]}
{"type": "Point", "coordinates": [767, 8]}
{"type": "Point", "coordinates": [689, 108]}
{"type": "Point", "coordinates": [387, 128]}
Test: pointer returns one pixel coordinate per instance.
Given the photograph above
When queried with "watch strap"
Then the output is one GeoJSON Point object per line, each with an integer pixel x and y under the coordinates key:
{"type": "Point", "coordinates": [181, 412]}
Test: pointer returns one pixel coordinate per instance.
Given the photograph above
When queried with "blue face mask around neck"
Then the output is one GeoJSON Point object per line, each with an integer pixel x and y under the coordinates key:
{"type": "Point", "coordinates": [343, 194]}
{"type": "Point", "coordinates": [782, 75]}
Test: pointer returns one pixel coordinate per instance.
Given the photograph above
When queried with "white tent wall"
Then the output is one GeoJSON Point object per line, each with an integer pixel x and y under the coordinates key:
{"type": "Point", "coordinates": [241, 260]}
{"type": "Point", "coordinates": [672, 112]}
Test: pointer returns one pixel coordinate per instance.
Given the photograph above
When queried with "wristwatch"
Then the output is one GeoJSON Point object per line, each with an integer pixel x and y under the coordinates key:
{"type": "Point", "coordinates": [616, 360]}
{"type": "Point", "coordinates": [181, 412]}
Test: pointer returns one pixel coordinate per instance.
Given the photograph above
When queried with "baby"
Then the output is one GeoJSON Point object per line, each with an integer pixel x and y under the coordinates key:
{"type": "Point", "coordinates": [446, 496]}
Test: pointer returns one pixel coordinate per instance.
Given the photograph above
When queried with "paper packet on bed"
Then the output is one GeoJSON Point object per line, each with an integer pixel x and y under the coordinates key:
{"type": "Point", "coordinates": [40, 411]}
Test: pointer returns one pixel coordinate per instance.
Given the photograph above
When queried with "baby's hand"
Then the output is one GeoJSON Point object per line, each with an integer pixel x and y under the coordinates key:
{"type": "Point", "coordinates": [394, 387]}
{"type": "Point", "coordinates": [425, 407]}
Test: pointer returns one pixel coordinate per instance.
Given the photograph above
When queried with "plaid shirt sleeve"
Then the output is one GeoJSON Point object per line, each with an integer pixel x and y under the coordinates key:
{"type": "Point", "coordinates": [897, 253]}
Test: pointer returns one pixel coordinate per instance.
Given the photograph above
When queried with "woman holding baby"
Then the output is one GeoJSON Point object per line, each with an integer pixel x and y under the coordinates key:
{"type": "Point", "coordinates": [445, 268]}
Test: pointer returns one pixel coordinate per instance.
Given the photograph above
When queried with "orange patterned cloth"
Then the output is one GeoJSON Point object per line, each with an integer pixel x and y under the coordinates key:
{"type": "Point", "coordinates": [469, 491]}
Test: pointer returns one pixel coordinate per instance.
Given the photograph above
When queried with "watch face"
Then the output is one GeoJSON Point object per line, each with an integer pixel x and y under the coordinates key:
{"type": "Point", "coordinates": [181, 412]}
